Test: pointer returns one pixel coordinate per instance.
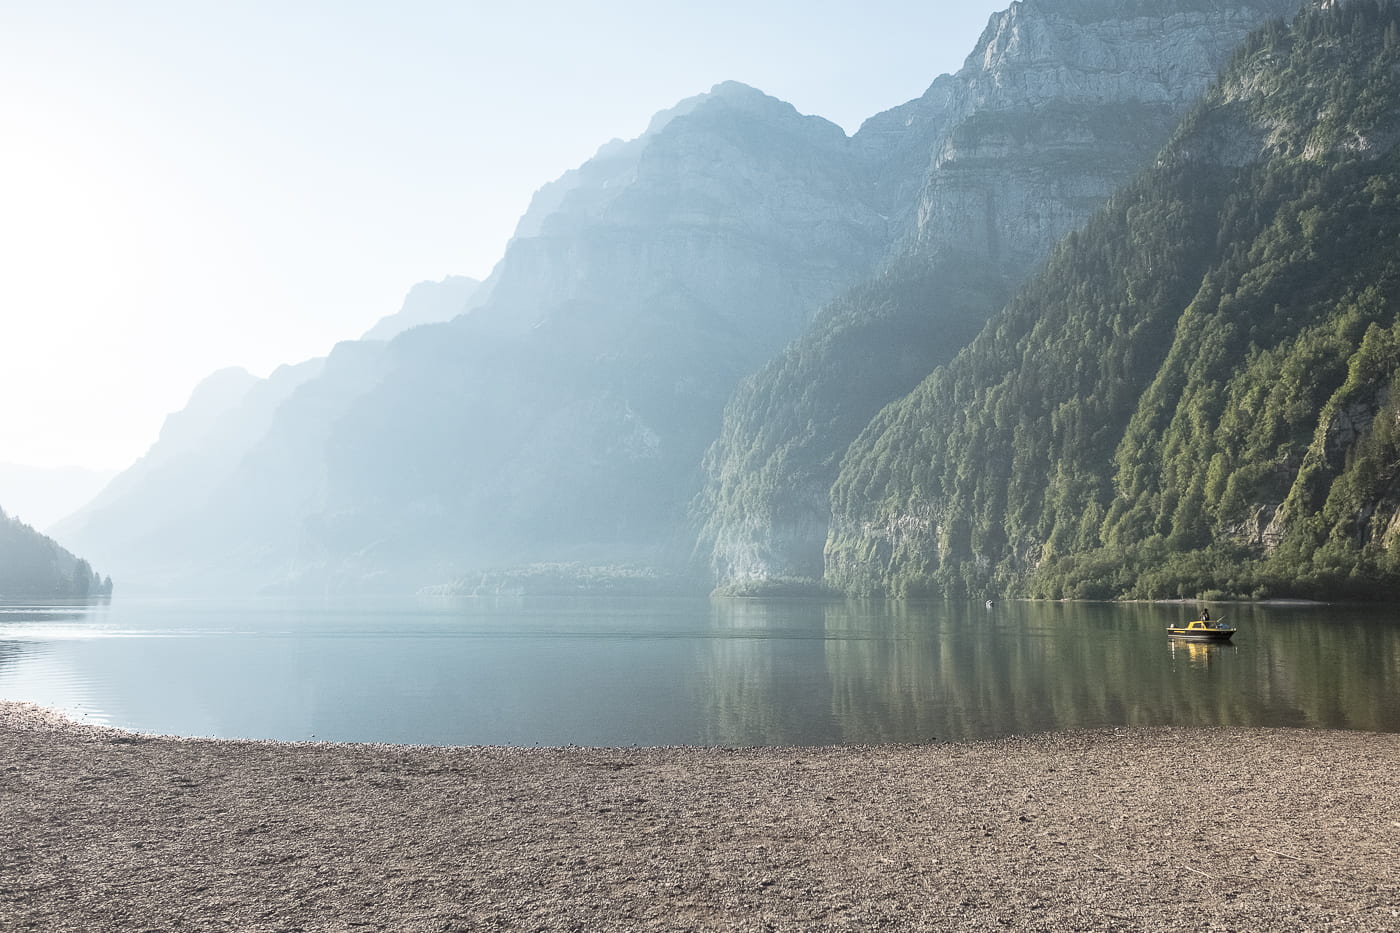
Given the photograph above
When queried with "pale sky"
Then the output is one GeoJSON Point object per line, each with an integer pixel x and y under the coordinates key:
{"type": "Point", "coordinates": [188, 185]}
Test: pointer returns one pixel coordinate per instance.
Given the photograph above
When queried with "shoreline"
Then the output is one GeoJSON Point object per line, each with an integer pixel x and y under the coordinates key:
{"type": "Point", "coordinates": [1129, 829]}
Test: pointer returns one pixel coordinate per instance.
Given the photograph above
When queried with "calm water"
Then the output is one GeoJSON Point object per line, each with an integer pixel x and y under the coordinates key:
{"type": "Point", "coordinates": [650, 672]}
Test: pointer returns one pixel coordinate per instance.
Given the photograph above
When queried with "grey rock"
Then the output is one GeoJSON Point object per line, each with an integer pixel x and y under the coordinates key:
{"type": "Point", "coordinates": [1061, 103]}
{"type": "Point", "coordinates": [427, 303]}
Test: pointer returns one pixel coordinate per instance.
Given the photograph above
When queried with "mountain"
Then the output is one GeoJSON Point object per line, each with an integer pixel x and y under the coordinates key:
{"type": "Point", "coordinates": [427, 303]}
{"type": "Point", "coordinates": [148, 521]}
{"type": "Point", "coordinates": [43, 495]}
{"type": "Point", "coordinates": [563, 418]}
{"type": "Point", "coordinates": [33, 566]}
{"type": "Point", "coordinates": [590, 408]}
{"type": "Point", "coordinates": [1194, 395]}
{"type": "Point", "coordinates": [1062, 103]}
{"type": "Point", "coordinates": [731, 205]}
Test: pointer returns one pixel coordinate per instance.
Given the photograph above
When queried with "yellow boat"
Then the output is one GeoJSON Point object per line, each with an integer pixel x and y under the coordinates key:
{"type": "Point", "coordinates": [1202, 630]}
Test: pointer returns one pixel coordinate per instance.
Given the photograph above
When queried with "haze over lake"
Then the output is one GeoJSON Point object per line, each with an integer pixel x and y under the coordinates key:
{"type": "Point", "coordinates": [689, 671]}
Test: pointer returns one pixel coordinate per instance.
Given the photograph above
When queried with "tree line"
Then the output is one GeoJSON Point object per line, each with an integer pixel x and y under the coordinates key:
{"type": "Point", "coordinates": [33, 566]}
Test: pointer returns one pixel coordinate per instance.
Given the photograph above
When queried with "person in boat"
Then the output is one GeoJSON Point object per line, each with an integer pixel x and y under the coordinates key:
{"type": "Point", "coordinates": [1205, 615]}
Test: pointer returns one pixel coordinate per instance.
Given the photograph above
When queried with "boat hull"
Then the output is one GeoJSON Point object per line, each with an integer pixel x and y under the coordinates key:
{"type": "Point", "coordinates": [1200, 634]}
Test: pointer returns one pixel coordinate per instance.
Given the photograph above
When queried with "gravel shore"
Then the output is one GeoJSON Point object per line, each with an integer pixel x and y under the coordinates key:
{"type": "Point", "coordinates": [1132, 830]}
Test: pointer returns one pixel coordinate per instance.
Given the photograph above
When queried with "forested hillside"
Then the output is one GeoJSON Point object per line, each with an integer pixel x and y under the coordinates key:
{"type": "Point", "coordinates": [32, 566]}
{"type": "Point", "coordinates": [561, 420]}
{"type": "Point", "coordinates": [695, 334]}
{"type": "Point", "coordinates": [1061, 104]}
{"type": "Point", "coordinates": [764, 514]}
{"type": "Point", "coordinates": [1194, 397]}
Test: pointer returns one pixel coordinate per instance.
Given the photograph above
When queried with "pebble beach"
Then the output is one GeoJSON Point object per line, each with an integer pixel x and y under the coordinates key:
{"type": "Point", "coordinates": [1131, 830]}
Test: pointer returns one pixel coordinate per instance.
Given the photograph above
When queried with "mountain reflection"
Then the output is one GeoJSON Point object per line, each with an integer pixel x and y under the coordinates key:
{"type": "Point", "coordinates": [856, 672]}
{"type": "Point", "coordinates": [763, 675]}
{"type": "Point", "coordinates": [18, 614]}
{"type": "Point", "coordinates": [718, 672]}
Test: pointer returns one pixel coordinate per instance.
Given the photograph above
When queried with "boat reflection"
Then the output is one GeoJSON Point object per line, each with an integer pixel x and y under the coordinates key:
{"type": "Point", "coordinates": [1198, 653]}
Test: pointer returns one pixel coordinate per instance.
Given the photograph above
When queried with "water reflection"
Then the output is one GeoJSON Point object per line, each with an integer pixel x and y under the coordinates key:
{"type": "Point", "coordinates": [762, 674]}
{"type": "Point", "coordinates": [9, 653]}
{"type": "Point", "coordinates": [910, 672]}
{"type": "Point", "coordinates": [620, 672]}
{"type": "Point", "coordinates": [25, 630]}
{"type": "Point", "coordinates": [19, 615]}
{"type": "Point", "coordinates": [1196, 653]}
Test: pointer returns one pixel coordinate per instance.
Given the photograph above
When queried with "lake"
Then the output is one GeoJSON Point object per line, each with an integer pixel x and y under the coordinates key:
{"type": "Point", "coordinates": [690, 671]}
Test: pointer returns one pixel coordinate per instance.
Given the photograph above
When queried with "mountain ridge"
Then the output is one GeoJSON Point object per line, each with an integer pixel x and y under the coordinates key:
{"type": "Point", "coordinates": [1191, 398]}
{"type": "Point", "coordinates": [1043, 123]}
{"type": "Point", "coordinates": [746, 273]}
{"type": "Point", "coordinates": [590, 369]}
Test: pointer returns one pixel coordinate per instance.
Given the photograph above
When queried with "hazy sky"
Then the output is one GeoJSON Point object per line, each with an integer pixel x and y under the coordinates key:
{"type": "Point", "coordinates": [189, 185]}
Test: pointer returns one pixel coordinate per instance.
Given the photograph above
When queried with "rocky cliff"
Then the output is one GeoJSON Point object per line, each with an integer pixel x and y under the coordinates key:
{"type": "Point", "coordinates": [564, 416]}
{"type": "Point", "coordinates": [732, 202]}
{"type": "Point", "coordinates": [1061, 103]}
{"type": "Point", "coordinates": [1196, 394]}
{"type": "Point", "coordinates": [427, 303]}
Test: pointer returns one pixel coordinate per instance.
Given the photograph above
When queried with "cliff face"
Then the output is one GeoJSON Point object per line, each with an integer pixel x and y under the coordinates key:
{"type": "Point", "coordinates": [427, 303]}
{"type": "Point", "coordinates": [563, 417]}
{"type": "Point", "coordinates": [732, 202]}
{"type": "Point", "coordinates": [1061, 103]}
{"type": "Point", "coordinates": [1196, 394]}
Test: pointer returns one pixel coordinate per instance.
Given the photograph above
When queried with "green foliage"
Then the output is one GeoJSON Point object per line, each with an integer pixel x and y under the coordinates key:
{"type": "Point", "coordinates": [788, 425]}
{"type": "Point", "coordinates": [32, 566]}
{"type": "Point", "coordinates": [1195, 394]}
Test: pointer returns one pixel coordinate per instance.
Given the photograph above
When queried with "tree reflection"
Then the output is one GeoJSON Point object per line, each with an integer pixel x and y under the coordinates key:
{"type": "Point", "coordinates": [915, 672]}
